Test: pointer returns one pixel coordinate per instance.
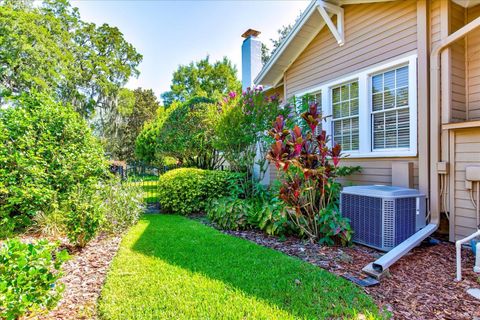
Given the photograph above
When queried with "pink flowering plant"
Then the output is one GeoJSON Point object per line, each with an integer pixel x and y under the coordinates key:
{"type": "Point", "coordinates": [310, 168]}
{"type": "Point", "coordinates": [241, 131]}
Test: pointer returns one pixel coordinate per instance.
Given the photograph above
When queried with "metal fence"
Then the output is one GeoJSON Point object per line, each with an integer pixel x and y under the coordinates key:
{"type": "Point", "coordinates": [146, 177]}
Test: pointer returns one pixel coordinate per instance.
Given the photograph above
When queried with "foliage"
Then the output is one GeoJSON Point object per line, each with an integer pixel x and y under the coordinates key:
{"type": "Point", "coordinates": [146, 148]}
{"type": "Point", "coordinates": [83, 214]}
{"type": "Point", "coordinates": [186, 133]}
{"type": "Point", "coordinates": [108, 205]}
{"type": "Point", "coordinates": [47, 149]}
{"type": "Point", "coordinates": [309, 187]}
{"type": "Point", "coordinates": [122, 205]}
{"type": "Point", "coordinates": [282, 33]}
{"type": "Point", "coordinates": [135, 108]}
{"type": "Point", "coordinates": [230, 213]}
{"type": "Point", "coordinates": [170, 267]}
{"type": "Point", "coordinates": [49, 48]}
{"type": "Point", "coordinates": [269, 214]}
{"type": "Point", "coordinates": [263, 211]}
{"type": "Point", "coordinates": [49, 224]}
{"type": "Point", "coordinates": [28, 277]}
{"type": "Point", "coordinates": [202, 79]}
{"type": "Point", "coordinates": [189, 190]}
{"type": "Point", "coordinates": [240, 129]}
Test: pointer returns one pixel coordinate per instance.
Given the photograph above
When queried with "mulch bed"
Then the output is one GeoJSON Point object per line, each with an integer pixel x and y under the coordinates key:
{"type": "Point", "coordinates": [83, 278]}
{"type": "Point", "coordinates": [419, 286]}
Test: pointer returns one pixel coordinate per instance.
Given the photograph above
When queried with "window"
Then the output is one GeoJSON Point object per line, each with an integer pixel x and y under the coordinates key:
{"type": "Point", "coordinates": [390, 109]}
{"type": "Point", "coordinates": [372, 113]}
{"type": "Point", "coordinates": [345, 116]}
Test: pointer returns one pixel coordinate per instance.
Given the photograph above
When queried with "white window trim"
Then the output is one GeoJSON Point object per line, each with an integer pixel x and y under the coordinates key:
{"type": "Point", "coordinates": [364, 78]}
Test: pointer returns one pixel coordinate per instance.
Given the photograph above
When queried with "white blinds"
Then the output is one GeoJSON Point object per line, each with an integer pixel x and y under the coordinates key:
{"type": "Point", "coordinates": [390, 111]}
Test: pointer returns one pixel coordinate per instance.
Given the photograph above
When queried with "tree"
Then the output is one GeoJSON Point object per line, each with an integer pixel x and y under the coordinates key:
{"type": "Point", "coordinates": [282, 33]}
{"type": "Point", "coordinates": [50, 49]}
{"type": "Point", "coordinates": [202, 79]}
{"type": "Point", "coordinates": [135, 108]}
{"type": "Point", "coordinates": [146, 149]}
{"type": "Point", "coordinates": [185, 132]}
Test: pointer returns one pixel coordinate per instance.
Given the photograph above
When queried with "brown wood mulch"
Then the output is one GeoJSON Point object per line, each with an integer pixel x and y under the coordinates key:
{"type": "Point", "coordinates": [419, 286]}
{"type": "Point", "coordinates": [84, 275]}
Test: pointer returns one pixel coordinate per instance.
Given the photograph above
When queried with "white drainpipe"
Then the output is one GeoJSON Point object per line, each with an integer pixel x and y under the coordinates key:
{"type": "Point", "coordinates": [378, 267]}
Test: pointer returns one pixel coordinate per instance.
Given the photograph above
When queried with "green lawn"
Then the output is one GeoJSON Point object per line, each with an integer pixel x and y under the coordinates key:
{"type": "Point", "coordinates": [170, 267]}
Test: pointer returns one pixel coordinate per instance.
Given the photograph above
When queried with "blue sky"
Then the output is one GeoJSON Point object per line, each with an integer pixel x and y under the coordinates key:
{"type": "Point", "coordinates": [169, 33]}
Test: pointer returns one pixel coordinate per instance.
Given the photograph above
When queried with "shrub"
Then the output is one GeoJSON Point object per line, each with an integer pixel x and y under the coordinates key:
{"type": "Point", "coordinates": [230, 213]}
{"type": "Point", "coordinates": [83, 213]}
{"type": "Point", "coordinates": [122, 205]}
{"type": "Point", "coordinates": [189, 190]}
{"type": "Point", "coordinates": [270, 216]}
{"type": "Point", "coordinates": [239, 133]}
{"type": "Point", "coordinates": [47, 149]}
{"type": "Point", "coordinates": [309, 187]}
{"type": "Point", "coordinates": [28, 277]}
{"type": "Point", "coordinates": [262, 211]}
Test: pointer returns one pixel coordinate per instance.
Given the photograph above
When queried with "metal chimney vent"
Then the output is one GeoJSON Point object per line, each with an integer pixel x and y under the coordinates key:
{"type": "Point", "coordinates": [382, 216]}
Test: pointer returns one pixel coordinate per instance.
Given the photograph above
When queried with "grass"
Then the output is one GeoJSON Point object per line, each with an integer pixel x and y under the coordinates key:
{"type": "Point", "coordinates": [170, 267]}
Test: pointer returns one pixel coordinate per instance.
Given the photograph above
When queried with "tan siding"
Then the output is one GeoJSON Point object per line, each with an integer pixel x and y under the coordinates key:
{"type": "Point", "coordinates": [467, 147]}
{"type": "Point", "coordinates": [374, 32]}
{"type": "Point", "coordinates": [473, 67]}
{"type": "Point", "coordinates": [435, 22]}
{"type": "Point", "coordinates": [376, 171]}
{"type": "Point", "coordinates": [458, 103]}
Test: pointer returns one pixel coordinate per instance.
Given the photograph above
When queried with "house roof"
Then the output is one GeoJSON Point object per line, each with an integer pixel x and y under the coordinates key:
{"type": "Point", "coordinates": [305, 29]}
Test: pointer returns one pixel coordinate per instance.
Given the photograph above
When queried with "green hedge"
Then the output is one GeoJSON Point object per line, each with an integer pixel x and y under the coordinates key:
{"type": "Point", "coordinates": [189, 190]}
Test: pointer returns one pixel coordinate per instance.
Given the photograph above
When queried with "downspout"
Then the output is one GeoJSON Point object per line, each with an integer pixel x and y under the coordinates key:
{"type": "Point", "coordinates": [378, 267]}
{"type": "Point", "coordinates": [435, 133]}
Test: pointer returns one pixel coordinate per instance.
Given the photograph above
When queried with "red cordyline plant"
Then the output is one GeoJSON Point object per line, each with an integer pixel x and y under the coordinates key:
{"type": "Point", "coordinates": [309, 188]}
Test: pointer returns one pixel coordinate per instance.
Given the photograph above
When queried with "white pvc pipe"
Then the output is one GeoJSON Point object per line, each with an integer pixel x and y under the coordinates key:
{"type": "Point", "coordinates": [458, 245]}
{"type": "Point", "coordinates": [477, 259]}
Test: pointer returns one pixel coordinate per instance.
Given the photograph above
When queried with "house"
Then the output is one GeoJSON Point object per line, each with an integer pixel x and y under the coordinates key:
{"type": "Point", "coordinates": [400, 81]}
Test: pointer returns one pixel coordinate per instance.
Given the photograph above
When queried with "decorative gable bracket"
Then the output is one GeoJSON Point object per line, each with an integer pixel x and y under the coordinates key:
{"type": "Point", "coordinates": [327, 10]}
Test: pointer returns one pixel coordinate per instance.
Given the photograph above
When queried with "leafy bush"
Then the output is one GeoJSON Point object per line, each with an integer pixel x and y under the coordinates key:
{"type": "Point", "coordinates": [230, 213]}
{"type": "Point", "coordinates": [83, 213]}
{"type": "Point", "coordinates": [122, 205]}
{"type": "Point", "coordinates": [239, 133]}
{"type": "Point", "coordinates": [189, 190]}
{"type": "Point", "coordinates": [28, 277]}
{"type": "Point", "coordinates": [270, 216]}
{"type": "Point", "coordinates": [309, 187]}
{"type": "Point", "coordinates": [47, 149]}
{"type": "Point", "coordinates": [262, 211]}
{"type": "Point", "coordinates": [109, 205]}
